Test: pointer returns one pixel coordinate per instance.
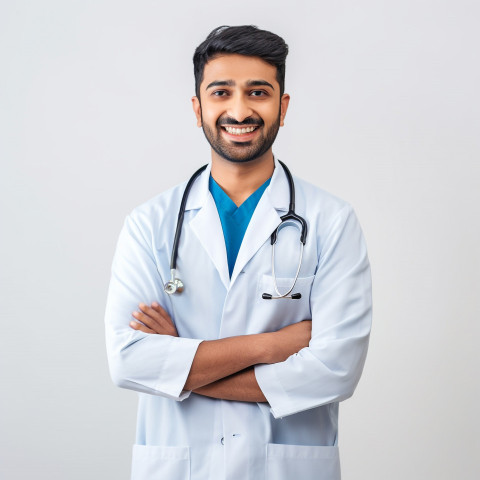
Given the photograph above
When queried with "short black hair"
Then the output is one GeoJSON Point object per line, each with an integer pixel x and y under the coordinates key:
{"type": "Point", "coordinates": [246, 40]}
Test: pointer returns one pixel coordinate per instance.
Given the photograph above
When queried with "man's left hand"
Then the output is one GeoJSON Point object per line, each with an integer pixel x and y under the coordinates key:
{"type": "Point", "coordinates": [153, 319]}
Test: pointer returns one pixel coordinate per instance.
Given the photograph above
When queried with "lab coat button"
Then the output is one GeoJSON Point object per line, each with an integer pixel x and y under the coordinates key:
{"type": "Point", "coordinates": [222, 441]}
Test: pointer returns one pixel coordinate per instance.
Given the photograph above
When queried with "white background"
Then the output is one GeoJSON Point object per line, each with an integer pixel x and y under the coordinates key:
{"type": "Point", "coordinates": [95, 118]}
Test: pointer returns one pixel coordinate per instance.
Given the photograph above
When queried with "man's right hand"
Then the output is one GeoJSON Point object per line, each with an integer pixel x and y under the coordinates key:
{"type": "Point", "coordinates": [288, 340]}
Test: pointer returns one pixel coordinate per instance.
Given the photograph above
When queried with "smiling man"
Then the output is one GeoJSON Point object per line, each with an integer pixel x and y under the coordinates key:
{"type": "Point", "coordinates": [240, 365]}
{"type": "Point", "coordinates": [255, 101]}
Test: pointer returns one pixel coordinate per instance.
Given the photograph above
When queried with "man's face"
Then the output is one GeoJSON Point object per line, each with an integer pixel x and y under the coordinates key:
{"type": "Point", "coordinates": [240, 109]}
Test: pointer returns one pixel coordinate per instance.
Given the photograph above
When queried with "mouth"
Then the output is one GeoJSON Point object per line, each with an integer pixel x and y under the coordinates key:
{"type": "Point", "coordinates": [244, 133]}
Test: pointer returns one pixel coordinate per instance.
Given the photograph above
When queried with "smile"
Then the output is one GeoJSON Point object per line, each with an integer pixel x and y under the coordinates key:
{"type": "Point", "coordinates": [239, 131]}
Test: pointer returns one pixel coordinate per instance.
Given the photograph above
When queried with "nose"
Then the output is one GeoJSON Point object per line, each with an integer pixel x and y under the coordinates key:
{"type": "Point", "coordinates": [239, 109]}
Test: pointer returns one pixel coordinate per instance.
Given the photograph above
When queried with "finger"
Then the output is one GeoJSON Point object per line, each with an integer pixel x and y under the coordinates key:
{"type": "Point", "coordinates": [160, 326]}
{"type": "Point", "coordinates": [139, 326]}
{"type": "Point", "coordinates": [166, 321]}
{"type": "Point", "coordinates": [159, 323]}
{"type": "Point", "coordinates": [153, 314]}
{"type": "Point", "coordinates": [159, 309]}
{"type": "Point", "coordinates": [145, 319]}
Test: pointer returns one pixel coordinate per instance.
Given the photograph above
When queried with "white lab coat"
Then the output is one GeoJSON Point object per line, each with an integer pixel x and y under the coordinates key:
{"type": "Point", "coordinates": [181, 435]}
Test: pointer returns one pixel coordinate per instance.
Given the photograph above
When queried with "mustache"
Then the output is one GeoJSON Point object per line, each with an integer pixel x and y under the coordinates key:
{"type": "Point", "coordinates": [231, 121]}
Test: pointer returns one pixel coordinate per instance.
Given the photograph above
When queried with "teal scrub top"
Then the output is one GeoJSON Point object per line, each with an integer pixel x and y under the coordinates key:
{"type": "Point", "coordinates": [234, 219]}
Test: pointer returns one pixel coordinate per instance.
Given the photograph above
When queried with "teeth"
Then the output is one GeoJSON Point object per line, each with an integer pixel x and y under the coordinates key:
{"type": "Point", "coordinates": [239, 131]}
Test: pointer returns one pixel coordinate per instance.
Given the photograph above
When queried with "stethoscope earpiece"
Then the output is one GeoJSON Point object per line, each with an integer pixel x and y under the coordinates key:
{"type": "Point", "coordinates": [293, 296]}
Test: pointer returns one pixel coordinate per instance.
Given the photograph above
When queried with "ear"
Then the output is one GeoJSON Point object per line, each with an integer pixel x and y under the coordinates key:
{"type": "Point", "coordinates": [284, 101]}
{"type": "Point", "coordinates": [197, 109]}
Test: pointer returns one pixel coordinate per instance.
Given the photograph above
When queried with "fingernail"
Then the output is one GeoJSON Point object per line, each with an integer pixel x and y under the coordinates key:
{"type": "Point", "coordinates": [135, 314]}
{"type": "Point", "coordinates": [141, 305]}
{"type": "Point", "coordinates": [155, 304]}
{"type": "Point", "coordinates": [132, 324]}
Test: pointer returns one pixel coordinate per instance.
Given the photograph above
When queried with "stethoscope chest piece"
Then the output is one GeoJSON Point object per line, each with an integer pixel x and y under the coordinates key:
{"type": "Point", "coordinates": [175, 285]}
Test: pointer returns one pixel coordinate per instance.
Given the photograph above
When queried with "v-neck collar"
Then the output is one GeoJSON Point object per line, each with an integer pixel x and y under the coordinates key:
{"type": "Point", "coordinates": [234, 219]}
{"type": "Point", "coordinates": [224, 202]}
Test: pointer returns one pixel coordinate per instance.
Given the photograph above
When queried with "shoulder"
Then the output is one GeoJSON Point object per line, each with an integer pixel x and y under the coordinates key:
{"type": "Point", "coordinates": [319, 203]}
{"type": "Point", "coordinates": [331, 220]}
{"type": "Point", "coordinates": [159, 209]}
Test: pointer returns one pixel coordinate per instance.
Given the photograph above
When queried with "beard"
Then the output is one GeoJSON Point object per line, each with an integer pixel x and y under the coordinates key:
{"type": "Point", "coordinates": [241, 152]}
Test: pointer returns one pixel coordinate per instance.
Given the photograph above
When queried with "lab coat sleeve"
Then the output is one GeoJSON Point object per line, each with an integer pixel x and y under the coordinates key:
{"type": "Point", "coordinates": [329, 369]}
{"type": "Point", "coordinates": [149, 363]}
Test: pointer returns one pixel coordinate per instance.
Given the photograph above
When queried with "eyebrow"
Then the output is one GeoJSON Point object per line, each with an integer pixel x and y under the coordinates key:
{"type": "Point", "coordinates": [231, 83]}
{"type": "Point", "coordinates": [259, 83]}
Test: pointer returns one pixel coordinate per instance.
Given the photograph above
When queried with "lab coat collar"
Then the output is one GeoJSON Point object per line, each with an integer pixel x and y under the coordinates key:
{"type": "Point", "coordinates": [199, 191]}
{"type": "Point", "coordinates": [278, 190]}
{"type": "Point", "coordinates": [265, 219]}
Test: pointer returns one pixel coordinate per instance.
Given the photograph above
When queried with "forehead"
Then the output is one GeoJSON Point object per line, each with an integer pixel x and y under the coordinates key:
{"type": "Point", "coordinates": [238, 68]}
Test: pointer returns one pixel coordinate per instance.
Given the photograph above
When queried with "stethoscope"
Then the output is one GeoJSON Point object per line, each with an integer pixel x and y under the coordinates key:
{"type": "Point", "coordinates": [175, 285]}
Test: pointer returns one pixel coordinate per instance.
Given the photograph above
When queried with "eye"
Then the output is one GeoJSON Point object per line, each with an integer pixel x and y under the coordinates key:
{"type": "Point", "coordinates": [220, 93]}
{"type": "Point", "coordinates": [258, 93]}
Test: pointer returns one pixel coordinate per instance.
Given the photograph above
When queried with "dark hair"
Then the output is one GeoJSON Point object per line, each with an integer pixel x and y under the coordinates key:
{"type": "Point", "coordinates": [243, 40]}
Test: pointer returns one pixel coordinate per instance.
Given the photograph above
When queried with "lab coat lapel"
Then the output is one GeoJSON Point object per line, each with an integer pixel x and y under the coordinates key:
{"type": "Point", "coordinates": [207, 227]}
{"type": "Point", "coordinates": [265, 219]}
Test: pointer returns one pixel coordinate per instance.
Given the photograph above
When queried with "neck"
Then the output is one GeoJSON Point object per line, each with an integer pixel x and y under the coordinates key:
{"type": "Point", "coordinates": [240, 180]}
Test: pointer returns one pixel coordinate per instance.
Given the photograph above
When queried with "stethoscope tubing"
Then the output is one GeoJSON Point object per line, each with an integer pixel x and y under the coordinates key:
{"type": "Point", "coordinates": [176, 285]}
{"type": "Point", "coordinates": [275, 286]}
{"type": "Point", "coordinates": [181, 214]}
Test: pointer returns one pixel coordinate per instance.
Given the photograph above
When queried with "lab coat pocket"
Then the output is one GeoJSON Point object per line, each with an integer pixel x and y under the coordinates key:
{"type": "Point", "coordinates": [160, 463]}
{"type": "Point", "coordinates": [284, 311]}
{"type": "Point", "coordinates": [292, 462]}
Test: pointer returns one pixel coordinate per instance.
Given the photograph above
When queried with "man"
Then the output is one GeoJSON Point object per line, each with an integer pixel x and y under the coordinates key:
{"type": "Point", "coordinates": [235, 384]}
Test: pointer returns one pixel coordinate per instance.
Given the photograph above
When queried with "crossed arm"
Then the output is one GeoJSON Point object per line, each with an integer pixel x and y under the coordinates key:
{"type": "Point", "coordinates": [224, 368]}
